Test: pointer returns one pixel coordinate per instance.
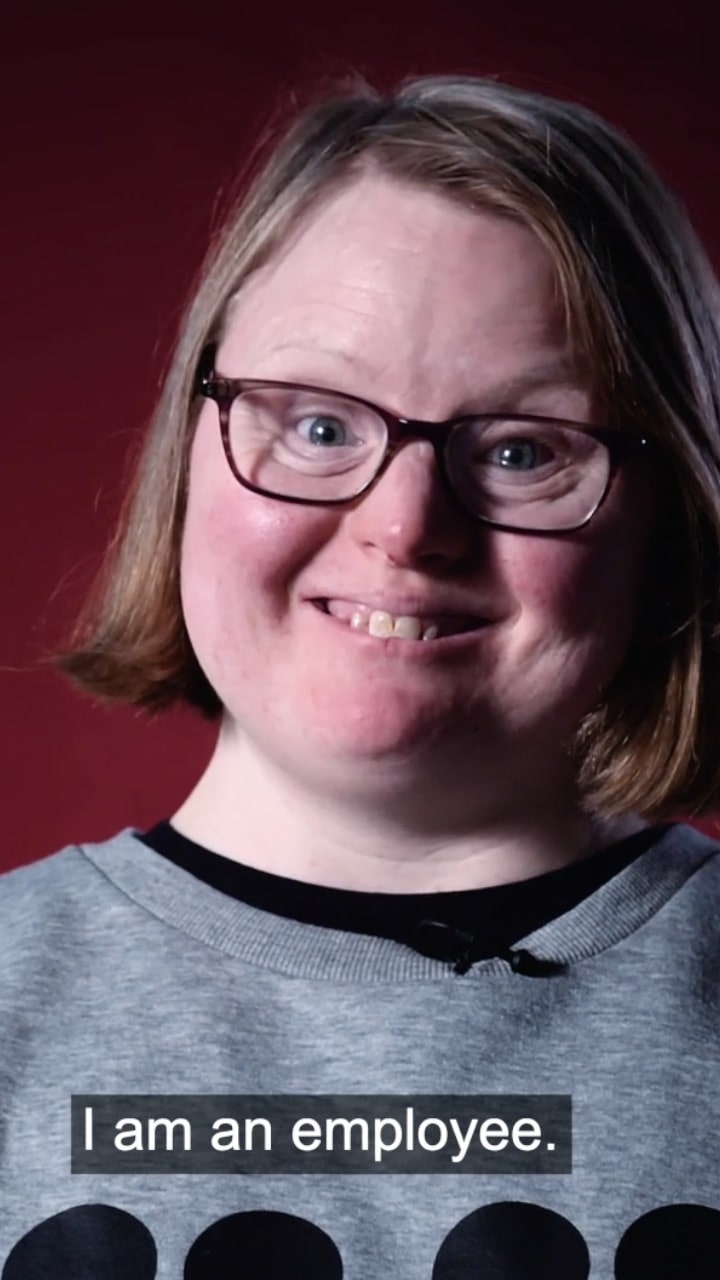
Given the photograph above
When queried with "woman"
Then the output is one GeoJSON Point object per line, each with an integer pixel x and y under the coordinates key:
{"type": "Point", "coordinates": [428, 523]}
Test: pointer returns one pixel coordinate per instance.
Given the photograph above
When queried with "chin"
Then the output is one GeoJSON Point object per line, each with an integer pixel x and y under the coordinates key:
{"type": "Point", "coordinates": [388, 732]}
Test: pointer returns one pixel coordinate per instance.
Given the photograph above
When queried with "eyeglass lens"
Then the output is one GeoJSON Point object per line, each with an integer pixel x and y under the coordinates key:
{"type": "Point", "coordinates": [318, 445]}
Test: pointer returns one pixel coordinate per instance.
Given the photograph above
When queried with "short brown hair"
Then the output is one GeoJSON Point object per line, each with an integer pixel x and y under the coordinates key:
{"type": "Point", "coordinates": [642, 305]}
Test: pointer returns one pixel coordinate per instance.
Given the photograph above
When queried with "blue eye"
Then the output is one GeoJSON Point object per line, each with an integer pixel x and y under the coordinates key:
{"type": "Point", "coordinates": [322, 428]}
{"type": "Point", "coordinates": [519, 454]}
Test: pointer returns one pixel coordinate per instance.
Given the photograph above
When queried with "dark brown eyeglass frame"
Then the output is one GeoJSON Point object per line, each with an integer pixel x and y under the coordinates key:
{"type": "Point", "coordinates": [224, 391]}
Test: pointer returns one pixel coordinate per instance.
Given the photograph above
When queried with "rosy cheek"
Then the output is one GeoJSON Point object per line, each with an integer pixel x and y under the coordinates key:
{"type": "Point", "coordinates": [243, 551]}
{"type": "Point", "coordinates": [565, 585]}
{"type": "Point", "coordinates": [591, 578]}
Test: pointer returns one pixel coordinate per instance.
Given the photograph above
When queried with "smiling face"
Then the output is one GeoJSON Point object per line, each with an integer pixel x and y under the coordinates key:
{"type": "Point", "coordinates": [401, 296]}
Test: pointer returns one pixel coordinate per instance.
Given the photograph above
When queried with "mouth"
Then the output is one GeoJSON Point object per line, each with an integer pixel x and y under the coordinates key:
{"type": "Point", "coordinates": [377, 624]}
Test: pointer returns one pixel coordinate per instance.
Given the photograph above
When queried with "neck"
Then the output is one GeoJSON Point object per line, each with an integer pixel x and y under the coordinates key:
{"type": "Point", "coordinates": [455, 834]}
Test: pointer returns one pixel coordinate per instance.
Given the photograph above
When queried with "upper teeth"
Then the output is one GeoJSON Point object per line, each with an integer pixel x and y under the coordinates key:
{"type": "Point", "coordinates": [380, 623]}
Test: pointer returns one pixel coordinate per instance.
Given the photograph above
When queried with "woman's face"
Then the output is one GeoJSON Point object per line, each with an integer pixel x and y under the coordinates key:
{"type": "Point", "coordinates": [400, 296]}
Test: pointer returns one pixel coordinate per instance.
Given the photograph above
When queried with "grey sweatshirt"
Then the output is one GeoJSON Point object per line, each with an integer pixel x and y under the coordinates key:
{"type": "Point", "coordinates": [120, 973]}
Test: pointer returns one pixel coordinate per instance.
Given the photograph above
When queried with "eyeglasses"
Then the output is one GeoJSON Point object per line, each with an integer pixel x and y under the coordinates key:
{"type": "Point", "coordinates": [307, 444]}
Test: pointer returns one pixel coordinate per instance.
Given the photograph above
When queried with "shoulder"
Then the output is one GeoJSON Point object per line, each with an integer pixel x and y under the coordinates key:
{"type": "Point", "coordinates": [698, 901]}
{"type": "Point", "coordinates": [672, 899]}
{"type": "Point", "coordinates": [45, 901]}
{"type": "Point", "coordinates": [681, 873]}
{"type": "Point", "coordinates": [696, 857]}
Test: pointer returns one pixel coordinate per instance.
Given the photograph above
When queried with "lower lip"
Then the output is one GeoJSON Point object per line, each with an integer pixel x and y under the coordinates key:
{"type": "Point", "coordinates": [408, 648]}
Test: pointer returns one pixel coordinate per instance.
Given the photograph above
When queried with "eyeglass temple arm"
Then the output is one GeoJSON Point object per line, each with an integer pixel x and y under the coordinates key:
{"type": "Point", "coordinates": [205, 368]}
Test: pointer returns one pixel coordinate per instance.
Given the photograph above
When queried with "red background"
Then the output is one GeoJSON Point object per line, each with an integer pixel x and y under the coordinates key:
{"type": "Point", "coordinates": [120, 124]}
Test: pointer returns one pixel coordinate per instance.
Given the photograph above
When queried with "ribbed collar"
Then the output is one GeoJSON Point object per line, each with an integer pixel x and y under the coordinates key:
{"type": "Point", "coordinates": [621, 906]}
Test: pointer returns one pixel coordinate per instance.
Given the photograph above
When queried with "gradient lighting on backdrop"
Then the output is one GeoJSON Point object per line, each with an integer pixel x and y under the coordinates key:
{"type": "Point", "coordinates": [122, 125]}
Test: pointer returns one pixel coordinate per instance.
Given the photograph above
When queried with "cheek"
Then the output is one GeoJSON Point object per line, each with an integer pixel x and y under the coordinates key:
{"type": "Point", "coordinates": [240, 551]}
{"type": "Point", "coordinates": [225, 562]}
{"type": "Point", "coordinates": [593, 579]}
{"type": "Point", "coordinates": [231, 567]}
{"type": "Point", "coordinates": [571, 588]}
{"type": "Point", "coordinates": [577, 604]}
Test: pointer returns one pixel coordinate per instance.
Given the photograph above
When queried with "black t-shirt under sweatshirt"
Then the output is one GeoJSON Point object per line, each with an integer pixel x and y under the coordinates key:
{"type": "Point", "coordinates": [462, 925]}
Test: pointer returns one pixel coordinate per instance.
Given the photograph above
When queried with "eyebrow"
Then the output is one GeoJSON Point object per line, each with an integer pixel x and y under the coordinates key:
{"type": "Point", "coordinates": [564, 372]}
{"type": "Point", "coordinates": [354, 360]}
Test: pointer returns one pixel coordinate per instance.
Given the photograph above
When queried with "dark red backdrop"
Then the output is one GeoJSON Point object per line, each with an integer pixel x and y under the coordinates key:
{"type": "Point", "coordinates": [120, 124]}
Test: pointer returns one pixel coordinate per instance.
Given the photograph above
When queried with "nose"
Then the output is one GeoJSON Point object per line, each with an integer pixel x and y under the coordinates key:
{"type": "Point", "coordinates": [409, 512]}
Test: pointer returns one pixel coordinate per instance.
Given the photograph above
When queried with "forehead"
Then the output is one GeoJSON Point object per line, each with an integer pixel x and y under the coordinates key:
{"type": "Point", "coordinates": [387, 276]}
